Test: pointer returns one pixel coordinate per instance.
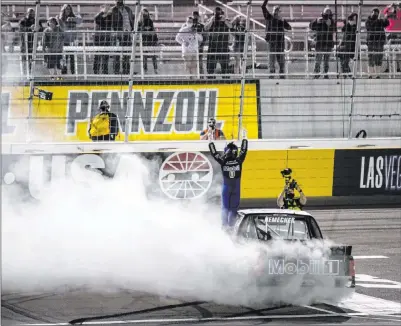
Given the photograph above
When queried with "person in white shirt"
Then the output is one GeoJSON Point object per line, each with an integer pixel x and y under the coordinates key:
{"type": "Point", "coordinates": [190, 41]}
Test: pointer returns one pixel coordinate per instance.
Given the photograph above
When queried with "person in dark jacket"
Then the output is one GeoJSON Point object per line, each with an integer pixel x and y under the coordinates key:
{"type": "Point", "coordinates": [27, 27]}
{"type": "Point", "coordinates": [347, 46]}
{"type": "Point", "coordinates": [122, 22]}
{"type": "Point", "coordinates": [149, 38]}
{"type": "Point", "coordinates": [219, 43]}
{"type": "Point", "coordinates": [104, 126]}
{"type": "Point", "coordinates": [200, 29]}
{"type": "Point", "coordinates": [102, 38]}
{"type": "Point", "coordinates": [231, 167]}
{"type": "Point", "coordinates": [325, 27]}
{"type": "Point", "coordinates": [376, 39]}
{"type": "Point", "coordinates": [53, 46]}
{"type": "Point", "coordinates": [238, 29]}
{"type": "Point", "coordinates": [275, 29]}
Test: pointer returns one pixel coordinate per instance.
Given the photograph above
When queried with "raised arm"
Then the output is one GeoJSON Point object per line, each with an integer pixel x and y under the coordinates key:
{"type": "Point", "coordinates": [266, 12]}
{"type": "Point", "coordinates": [215, 154]}
{"type": "Point", "coordinates": [243, 150]}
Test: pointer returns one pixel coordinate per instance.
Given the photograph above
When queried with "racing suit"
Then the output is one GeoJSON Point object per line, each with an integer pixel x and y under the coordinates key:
{"type": "Point", "coordinates": [231, 193]}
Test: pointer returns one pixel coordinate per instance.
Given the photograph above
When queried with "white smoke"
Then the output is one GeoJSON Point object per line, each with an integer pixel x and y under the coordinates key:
{"type": "Point", "coordinates": [107, 235]}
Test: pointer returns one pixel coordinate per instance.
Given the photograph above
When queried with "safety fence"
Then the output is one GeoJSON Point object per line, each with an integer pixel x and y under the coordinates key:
{"type": "Point", "coordinates": [97, 54]}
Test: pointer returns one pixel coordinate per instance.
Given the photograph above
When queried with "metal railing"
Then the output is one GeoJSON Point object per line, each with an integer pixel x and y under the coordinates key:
{"type": "Point", "coordinates": [168, 60]}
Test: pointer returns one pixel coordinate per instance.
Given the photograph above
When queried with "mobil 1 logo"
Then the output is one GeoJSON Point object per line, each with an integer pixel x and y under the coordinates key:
{"type": "Point", "coordinates": [367, 172]}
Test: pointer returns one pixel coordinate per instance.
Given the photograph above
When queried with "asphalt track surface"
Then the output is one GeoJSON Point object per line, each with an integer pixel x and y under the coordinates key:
{"type": "Point", "coordinates": [376, 238]}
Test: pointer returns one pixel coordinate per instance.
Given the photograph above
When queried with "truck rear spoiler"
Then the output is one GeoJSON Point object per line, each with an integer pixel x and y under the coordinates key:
{"type": "Point", "coordinates": [341, 250]}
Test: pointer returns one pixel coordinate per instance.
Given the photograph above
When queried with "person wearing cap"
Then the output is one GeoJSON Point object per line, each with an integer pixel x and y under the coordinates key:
{"type": "Point", "coordinates": [212, 132]}
{"type": "Point", "coordinates": [376, 39]}
{"type": "Point", "coordinates": [104, 126]}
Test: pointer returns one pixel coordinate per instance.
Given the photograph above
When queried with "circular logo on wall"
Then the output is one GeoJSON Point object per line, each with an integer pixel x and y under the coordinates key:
{"type": "Point", "coordinates": [186, 175]}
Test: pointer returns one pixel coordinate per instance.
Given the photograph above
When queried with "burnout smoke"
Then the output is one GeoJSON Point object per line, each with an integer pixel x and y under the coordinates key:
{"type": "Point", "coordinates": [107, 235]}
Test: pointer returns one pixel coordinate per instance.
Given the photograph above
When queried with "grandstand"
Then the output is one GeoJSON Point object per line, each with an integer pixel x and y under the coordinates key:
{"type": "Point", "coordinates": [292, 108]}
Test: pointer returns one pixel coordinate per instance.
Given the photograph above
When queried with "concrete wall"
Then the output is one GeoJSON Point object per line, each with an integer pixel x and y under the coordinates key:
{"type": "Point", "coordinates": [321, 108]}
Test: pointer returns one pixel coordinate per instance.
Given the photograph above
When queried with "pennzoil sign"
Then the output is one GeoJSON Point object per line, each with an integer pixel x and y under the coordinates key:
{"type": "Point", "coordinates": [156, 112]}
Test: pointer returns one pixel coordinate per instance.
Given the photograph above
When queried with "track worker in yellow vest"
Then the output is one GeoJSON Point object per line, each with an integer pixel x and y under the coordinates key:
{"type": "Point", "coordinates": [287, 199]}
{"type": "Point", "coordinates": [104, 126]}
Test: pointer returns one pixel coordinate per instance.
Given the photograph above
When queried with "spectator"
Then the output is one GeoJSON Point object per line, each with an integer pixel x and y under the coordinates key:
{"type": "Point", "coordinates": [212, 132]}
{"type": "Point", "coordinates": [104, 126]}
{"type": "Point", "coordinates": [347, 45]}
{"type": "Point", "coordinates": [275, 26]}
{"type": "Point", "coordinates": [393, 13]}
{"type": "Point", "coordinates": [200, 29]}
{"type": "Point", "coordinates": [238, 28]}
{"type": "Point", "coordinates": [123, 22]}
{"type": "Point", "coordinates": [219, 36]}
{"type": "Point", "coordinates": [376, 38]}
{"type": "Point", "coordinates": [149, 38]}
{"type": "Point", "coordinates": [102, 23]}
{"type": "Point", "coordinates": [190, 40]}
{"type": "Point", "coordinates": [325, 27]}
{"type": "Point", "coordinates": [6, 30]}
{"type": "Point", "coordinates": [68, 22]}
{"type": "Point", "coordinates": [53, 43]}
{"type": "Point", "coordinates": [27, 28]}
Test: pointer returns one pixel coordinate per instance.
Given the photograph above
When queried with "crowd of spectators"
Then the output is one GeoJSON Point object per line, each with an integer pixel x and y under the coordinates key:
{"type": "Point", "coordinates": [225, 39]}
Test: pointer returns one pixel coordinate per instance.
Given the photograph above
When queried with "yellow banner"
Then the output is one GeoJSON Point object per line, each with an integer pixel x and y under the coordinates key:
{"type": "Point", "coordinates": [312, 169]}
{"type": "Point", "coordinates": [159, 112]}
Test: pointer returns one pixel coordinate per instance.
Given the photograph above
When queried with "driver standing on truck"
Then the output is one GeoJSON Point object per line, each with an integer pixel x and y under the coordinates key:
{"type": "Point", "coordinates": [231, 167]}
{"type": "Point", "coordinates": [287, 199]}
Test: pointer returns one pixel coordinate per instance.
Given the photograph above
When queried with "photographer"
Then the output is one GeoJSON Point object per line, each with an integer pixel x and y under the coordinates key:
{"type": "Point", "coordinates": [287, 199]}
{"type": "Point", "coordinates": [212, 133]}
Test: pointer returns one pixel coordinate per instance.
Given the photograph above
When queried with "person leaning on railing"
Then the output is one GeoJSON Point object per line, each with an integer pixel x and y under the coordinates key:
{"type": "Point", "coordinates": [68, 21]}
{"type": "Point", "coordinates": [53, 45]}
{"type": "Point", "coordinates": [376, 39]}
{"type": "Point", "coordinates": [275, 29]}
{"type": "Point", "coordinates": [347, 46]}
{"type": "Point", "coordinates": [102, 37]}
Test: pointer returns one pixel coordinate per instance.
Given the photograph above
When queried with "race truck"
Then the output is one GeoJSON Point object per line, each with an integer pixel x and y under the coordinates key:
{"type": "Point", "coordinates": [274, 229]}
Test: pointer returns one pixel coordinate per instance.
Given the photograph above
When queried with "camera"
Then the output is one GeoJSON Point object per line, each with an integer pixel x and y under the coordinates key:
{"type": "Point", "coordinates": [293, 184]}
{"type": "Point", "coordinates": [286, 174]}
{"type": "Point", "coordinates": [44, 95]}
